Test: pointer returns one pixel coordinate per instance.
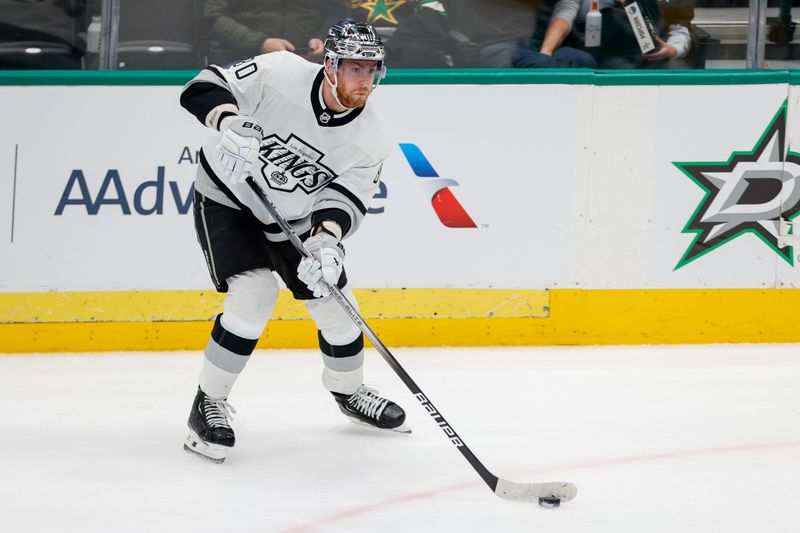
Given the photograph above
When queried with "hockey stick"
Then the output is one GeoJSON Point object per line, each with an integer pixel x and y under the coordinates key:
{"type": "Point", "coordinates": [547, 494]}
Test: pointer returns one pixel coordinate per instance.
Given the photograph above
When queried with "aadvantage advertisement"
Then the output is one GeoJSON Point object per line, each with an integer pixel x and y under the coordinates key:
{"type": "Point", "coordinates": [103, 202]}
{"type": "Point", "coordinates": [526, 186]}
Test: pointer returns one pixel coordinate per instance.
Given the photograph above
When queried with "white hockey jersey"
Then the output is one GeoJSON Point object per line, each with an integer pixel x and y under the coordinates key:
{"type": "Point", "coordinates": [314, 164]}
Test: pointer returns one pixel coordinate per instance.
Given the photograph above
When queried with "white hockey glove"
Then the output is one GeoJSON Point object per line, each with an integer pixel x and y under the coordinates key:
{"type": "Point", "coordinates": [237, 151]}
{"type": "Point", "coordinates": [324, 267]}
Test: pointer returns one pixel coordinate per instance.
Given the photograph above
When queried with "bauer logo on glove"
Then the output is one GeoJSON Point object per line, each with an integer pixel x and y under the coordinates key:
{"type": "Point", "coordinates": [237, 152]}
{"type": "Point", "coordinates": [256, 127]}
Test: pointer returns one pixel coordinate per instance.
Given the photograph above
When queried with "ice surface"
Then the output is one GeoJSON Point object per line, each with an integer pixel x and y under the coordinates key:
{"type": "Point", "coordinates": [657, 439]}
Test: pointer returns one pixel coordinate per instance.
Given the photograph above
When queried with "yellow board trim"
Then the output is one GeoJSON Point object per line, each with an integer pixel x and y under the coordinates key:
{"type": "Point", "coordinates": [189, 306]}
{"type": "Point", "coordinates": [473, 318]}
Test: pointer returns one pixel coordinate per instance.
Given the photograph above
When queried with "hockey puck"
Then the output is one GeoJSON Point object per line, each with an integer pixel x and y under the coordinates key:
{"type": "Point", "coordinates": [549, 502]}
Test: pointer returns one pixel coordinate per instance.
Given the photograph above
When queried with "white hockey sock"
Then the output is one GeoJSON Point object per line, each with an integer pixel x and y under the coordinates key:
{"type": "Point", "coordinates": [343, 381]}
{"type": "Point", "coordinates": [225, 357]}
{"type": "Point", "coordinates": [215, 382]}
{"type": "Point", "coordinates": [344, 364]}
{"type": "Point", "coordinates": [248, 306]}
{"type": "Point", "coordinates": [341, 343]}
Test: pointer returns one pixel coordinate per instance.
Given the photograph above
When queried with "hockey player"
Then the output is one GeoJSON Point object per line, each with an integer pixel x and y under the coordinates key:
{"type": "Point", "coordinates": [305, 134]}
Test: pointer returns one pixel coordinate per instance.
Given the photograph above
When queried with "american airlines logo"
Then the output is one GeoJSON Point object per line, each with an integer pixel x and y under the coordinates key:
{"type": "Point", "coordinates": [290, 164]}
{"type": "Point", "coordinates": [444, 203]}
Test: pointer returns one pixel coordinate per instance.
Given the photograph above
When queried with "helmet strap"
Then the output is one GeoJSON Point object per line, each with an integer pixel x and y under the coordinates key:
{"type": "Point", "coordinates": [379, 75]}
{"type": "Point", "coordinates": [335, 83]}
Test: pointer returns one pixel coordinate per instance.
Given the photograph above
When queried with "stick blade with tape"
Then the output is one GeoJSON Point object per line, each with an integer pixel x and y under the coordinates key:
{"type": "Point", "coordinates": [549, 494]}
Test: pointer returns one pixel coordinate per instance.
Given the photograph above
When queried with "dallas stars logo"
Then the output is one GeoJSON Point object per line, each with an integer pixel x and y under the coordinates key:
{"type": "Point", "coordinates": [752, 192]}
{"type": "Point", "coordinates": [384, 9]}
{"type": "Point", "coordinates": [379, 9]}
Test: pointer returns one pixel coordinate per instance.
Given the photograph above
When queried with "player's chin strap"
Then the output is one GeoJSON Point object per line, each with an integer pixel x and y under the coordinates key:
{"type": "Point", "coordinates": [335, 83]}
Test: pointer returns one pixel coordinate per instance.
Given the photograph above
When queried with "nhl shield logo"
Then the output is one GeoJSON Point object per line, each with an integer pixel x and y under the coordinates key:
{"type": "Point", "coordinates": [325, 117]}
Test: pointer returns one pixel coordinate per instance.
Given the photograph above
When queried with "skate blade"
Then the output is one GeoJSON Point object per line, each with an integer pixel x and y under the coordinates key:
{"type": "Point", "coordinates": [402, 428]}
{"type": "Point", "coordinates": [202, 456]}
{"type": "Point", "coordinates": [211, 452]}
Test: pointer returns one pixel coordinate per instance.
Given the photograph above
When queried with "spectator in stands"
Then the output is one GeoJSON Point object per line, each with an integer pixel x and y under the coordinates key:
{"type": "Point", "coordinates": [558, 38]}
{"type": "Point", "coordinates": [782, 30]}
{"type": "Point", "coordinates": [553, 43]}
{"type": "Point", "coordinates": [417, 32]}
{"type": "Point", "coordinates": [496, 27]}
{"type": "Point", "coordinates": [243, 28]}
{"type": "Point", "coordinates": [619, 47]}
{"type": "Point", "coordinates": [450, 33]}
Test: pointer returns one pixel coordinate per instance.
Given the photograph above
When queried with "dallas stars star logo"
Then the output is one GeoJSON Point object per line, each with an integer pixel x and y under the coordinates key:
{"type": "Point", "coordinates": [752, 192]}
{"type": "Point", "coordinates": [380, 9]}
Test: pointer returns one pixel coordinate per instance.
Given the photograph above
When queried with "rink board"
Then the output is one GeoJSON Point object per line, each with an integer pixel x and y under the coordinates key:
{"type": "Point", "coordinates": [577, 191]}
{"type": "Point", "coordinates": [180, 320]}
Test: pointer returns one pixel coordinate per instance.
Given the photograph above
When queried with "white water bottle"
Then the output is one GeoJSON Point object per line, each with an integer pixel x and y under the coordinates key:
{"type": "Point", "coordinates": [594, 26]}
{"type": "Point", "coordinates": [93, 36]}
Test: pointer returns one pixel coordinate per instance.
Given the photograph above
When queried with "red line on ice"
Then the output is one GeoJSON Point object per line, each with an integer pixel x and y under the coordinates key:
{"type": "Point", "coordinates": [391, 502]}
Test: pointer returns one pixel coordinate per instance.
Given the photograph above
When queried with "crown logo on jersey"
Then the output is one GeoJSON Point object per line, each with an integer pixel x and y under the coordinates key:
{"type": "Point", "coordinates": [279, 178]}
{"type": "Point", "coordinates": [293, 164]}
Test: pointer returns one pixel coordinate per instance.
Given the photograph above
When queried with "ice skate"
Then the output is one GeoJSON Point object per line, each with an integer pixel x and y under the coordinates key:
{"type": "Point", "coordinates": [210, 433]}
{"type": "Point", "coordinates": [365, 406]}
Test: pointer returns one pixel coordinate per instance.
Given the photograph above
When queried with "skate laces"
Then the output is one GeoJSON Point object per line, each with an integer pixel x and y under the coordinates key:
{"type": "Point", "coordinates": [366, 401]}
{"type": "Point", "coordinates": [218, 413]}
